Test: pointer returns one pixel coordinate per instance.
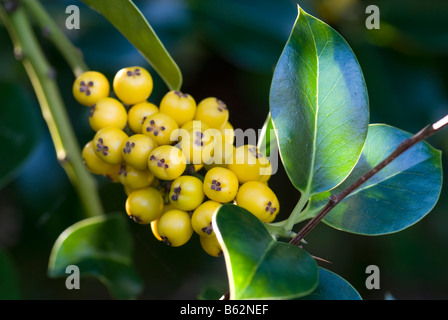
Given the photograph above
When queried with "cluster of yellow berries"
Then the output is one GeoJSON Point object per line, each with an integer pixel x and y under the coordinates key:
{"type": "Point", "coordinates": [177, 161]}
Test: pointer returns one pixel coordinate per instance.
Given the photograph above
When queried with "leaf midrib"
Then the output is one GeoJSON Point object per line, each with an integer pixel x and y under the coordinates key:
{"type": "Point", "coordinates": [255, 269]}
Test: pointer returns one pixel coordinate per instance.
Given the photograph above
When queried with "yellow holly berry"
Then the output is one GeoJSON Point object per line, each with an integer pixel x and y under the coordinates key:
{"type": "Point", "coordinates": [167, 162]}
{"type": "Point", "coordinates": [144, 205]}
{"type": "Point", "coordinates": [133, 85]}
{"type": "Point", "coordinates": [259, 199]}
{"type": "Point", "coordinates": [174, 227]}
{"type": "Point", "coordinates": [181, 107]}
{"type": "Point", "coordinates": [136, 150]}
{"type": "Point", "coordinates": [108, 143]}
{"type": "Point", "coordinates": [212, 112]}
{"type": "Point", "coordinates": [89, 87]}
{"type": "Point", "coordinates": [161, 127]}
{"type": "Point", "coordinates": [186, 193]}
{"type": "Point", "coordinates": [108, 112]}
{"type": "Point", "coordinates": [220, 184]}
{"type": "Point", "coordinates": [138, 113]}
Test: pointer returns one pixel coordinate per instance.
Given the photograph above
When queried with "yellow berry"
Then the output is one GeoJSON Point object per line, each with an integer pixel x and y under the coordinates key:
{"type": "Point", "coordinates": [259, 199]}
{"type": "Point", "coordinates": [249, 164]}
{"type": "Point", "coordinates": [220, 184]}
{"type": "Point", "coordinates": [174, 227]}
{"type": "Point", "coordinates": [211, 245]}
{"type": "Point", "coordinates": [161, 127]}
{"type": "Point", "coordinates": [212, 112]}
{"type": "Point", "coordinates": [94, 163]}
{"type": "Point", "coordinates": [186, 193]}
{"type": "Point", "coordinates": [135, 178]}
{"type": "Point", "coordinates": [108, 112]}
{"type": "Point", "coordinates": [89, 87]}
{"type": "Point", "coordinates": [138, 113]}
{"type": "Point", "coordinates": [136, 150]}
{"type": "Point", "coordinates": [144, 205]}
{"type": "Point", "coordinates": [181, 107]}
{"type": "Point", "coordinates": [132, 85]}
{"type": "Point", "coordinates": [201, 220]}
{"type": "Point", "coordinates": [108, 143]}
{"type": "Point", "coordinates": [167, 162]}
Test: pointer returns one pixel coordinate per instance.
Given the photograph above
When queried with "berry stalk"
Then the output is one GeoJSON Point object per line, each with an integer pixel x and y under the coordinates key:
{"type": "Point", "coordinates": [423, 134]}
{"type": "Point", "coordinates": [42, 76]}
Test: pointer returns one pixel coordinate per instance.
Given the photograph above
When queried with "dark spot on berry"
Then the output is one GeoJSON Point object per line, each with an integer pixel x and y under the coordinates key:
{"type": "Point", "coordinates": [136, 219]}
{"type": "Point", "coordinates": [154, 128]}
{"type": "Point", "coordinates": [165, 240]}
{"type": "Point", "coordinates": [92, 110]}
{"type": "Point", "coordinates": [176, 193]}
{"type": "Point", "coordinates": [134, 73]}
{"type": "Point", "coordinates": [123, 170]}
{"type": "Point", "coordinates": [270, 208]}
{"type": "Point", "coordinates": [255, 153]}
{"type": "Point", "coordinates": [160, 163]}
{"type": "Point", "coordinates": [85, 87]}
{"type": "Point", "coordinates": [216, 185]}
{"type": "Point", "coordinates": [101, 147]}
{"type": "Point", "coordinates": [208, 229]}
{"type": "Point", "coordinates": [221, 105]}
{"type": "Point", "coordinates": [128, 147]}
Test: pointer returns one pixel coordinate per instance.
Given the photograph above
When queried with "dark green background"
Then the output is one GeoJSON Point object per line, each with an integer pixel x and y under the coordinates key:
{"type": "Point", "coordinates": [228, 49]}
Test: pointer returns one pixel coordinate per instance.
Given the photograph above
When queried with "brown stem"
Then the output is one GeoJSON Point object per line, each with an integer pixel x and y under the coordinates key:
{"type": "Point", "coordinates": [425, 133]}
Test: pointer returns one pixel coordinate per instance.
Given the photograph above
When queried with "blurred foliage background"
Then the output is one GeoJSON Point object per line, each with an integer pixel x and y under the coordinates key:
{"type": "Point", "coordinates": [227, 49]}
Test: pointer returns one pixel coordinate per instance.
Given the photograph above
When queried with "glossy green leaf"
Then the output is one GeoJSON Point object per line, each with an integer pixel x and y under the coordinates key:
{"type": "Point", "coordinates": [258, 266]}
{"type": "Point", "coordinates": [100, 247]}
{"type": "Point", "coordinates": [18, 130]}
{"type": "Point", "coordinates": [332, 287]}
{"type": "Point", "coordinates": [319, 106]}
{"type": "Point", "coordinates": [128, 19]}
{"type": "Point", "coordinates": [9, 281]}
{"type": "Point", "coordinates": [397, 196]}
{"type": "Point", "coordinates": [266, 140]}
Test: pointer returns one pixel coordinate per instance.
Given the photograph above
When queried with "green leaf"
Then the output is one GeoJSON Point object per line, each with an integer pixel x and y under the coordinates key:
{"type": "Point", "coordinates": [128, 19]}
{"type": "Point", "coordinates": [397, 196]}
{"type": "Point", "coordinates": [100, 247]}
{"type": "Point", "coordinates": [319, 106]}
{"type": "Point", "coordinates": [19, 130]}
{"type": "Point", "coordinates": [259, 267]}
{"type": "Point", "coordinates": [266, 140]}
{"type": "Point", "coordinates": [9, 282]}
{"type": "Point", "coordinates": [332, 287]}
